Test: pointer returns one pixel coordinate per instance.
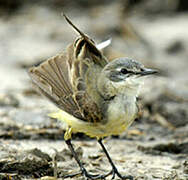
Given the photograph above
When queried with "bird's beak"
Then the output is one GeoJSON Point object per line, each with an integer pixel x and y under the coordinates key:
{"type": "Point", "coordinates": [146, 72]}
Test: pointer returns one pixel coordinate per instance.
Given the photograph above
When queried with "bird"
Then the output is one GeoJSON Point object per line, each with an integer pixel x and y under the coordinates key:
{"type": "Point", "coordinates": [94, 96]}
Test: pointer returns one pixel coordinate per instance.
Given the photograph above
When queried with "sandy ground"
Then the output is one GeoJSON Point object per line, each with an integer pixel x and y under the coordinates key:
{"type": "Point", "coordinates": [154, 147]}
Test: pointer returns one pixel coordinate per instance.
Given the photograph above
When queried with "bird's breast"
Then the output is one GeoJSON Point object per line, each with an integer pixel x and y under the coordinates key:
{"type": "Point", "coordinates": [120, 113]}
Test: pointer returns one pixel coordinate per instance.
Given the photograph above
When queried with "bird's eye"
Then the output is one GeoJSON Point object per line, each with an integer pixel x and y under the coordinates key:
{"type": "Point", "coordinates": [141, 69]}
{"type": "Point", "coordinates": [124, 71]}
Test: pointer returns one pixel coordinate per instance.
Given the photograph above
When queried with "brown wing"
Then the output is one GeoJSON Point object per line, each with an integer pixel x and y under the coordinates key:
{"type": "Point", "coordinates": [69, 80]}
{"type": "Point", "coordinates": [90, 47]}
{"type": "Point", "coordinates": [51, 80]}
{"type": "Point", "coordinates": [86, 63]}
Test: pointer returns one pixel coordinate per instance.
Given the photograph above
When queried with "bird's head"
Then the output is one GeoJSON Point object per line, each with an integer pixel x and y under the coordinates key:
{"type": "Point", "coordinates": [122, 76]}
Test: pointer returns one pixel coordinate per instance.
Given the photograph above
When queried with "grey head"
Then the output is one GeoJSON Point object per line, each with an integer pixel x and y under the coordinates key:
{"type": "Point", "coordinates": [122, 68]}
{"type": "Point", "coordinates": [123, 76]}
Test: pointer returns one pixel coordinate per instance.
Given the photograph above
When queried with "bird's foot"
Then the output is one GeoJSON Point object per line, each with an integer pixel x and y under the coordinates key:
{"type": "Point", "coordinates": [115, 172]}
{"type": "Point", "coordinates": [93, 176]}
{"type": "Point", "coordinates": [87, 175]}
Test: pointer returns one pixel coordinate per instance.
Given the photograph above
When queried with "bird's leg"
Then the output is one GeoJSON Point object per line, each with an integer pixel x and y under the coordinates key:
{"type": "Point", "coordinates": [82, 168]}
{"type": "Point", "coordinates": [114, 170]}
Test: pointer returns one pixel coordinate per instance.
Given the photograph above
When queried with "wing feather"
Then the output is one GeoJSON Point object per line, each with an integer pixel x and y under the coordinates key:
{"type": "Point", "coordinates": [70, 79]}
{"type": "Point", "coordinates": [86, 65]}
{"type": "Point", "coordinates": [51, 80]}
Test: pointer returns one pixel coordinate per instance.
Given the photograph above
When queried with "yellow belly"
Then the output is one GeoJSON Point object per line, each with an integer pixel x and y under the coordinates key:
{"type": "Point", "coordinates": [98, 130]}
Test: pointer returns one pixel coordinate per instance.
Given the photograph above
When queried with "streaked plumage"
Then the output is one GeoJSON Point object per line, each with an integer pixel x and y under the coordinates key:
{"type": "Point", "coordinates": [94, 96]}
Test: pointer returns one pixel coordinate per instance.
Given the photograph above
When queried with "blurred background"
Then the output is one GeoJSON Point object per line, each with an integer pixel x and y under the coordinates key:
{"type": "Point", "coordinates": [154, 32]}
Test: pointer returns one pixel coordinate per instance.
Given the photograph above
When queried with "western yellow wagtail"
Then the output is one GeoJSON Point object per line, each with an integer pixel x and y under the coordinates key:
{"type": "Point", "coordinates": [95, 96]}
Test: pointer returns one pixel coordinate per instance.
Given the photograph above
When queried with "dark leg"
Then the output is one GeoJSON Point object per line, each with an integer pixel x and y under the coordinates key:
{"type": "Point", "coordinates": [114, 169]}
{"type": "Point", "coordinates": [83, 170]}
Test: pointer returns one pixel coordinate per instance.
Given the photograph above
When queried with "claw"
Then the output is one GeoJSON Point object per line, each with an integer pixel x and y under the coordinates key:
{"type": "Point", "coordinates": [92, 176]}
{"type": "Point", "coordinates": [87, 175]}
{"type": "Point", "coordinates": [115, 172]}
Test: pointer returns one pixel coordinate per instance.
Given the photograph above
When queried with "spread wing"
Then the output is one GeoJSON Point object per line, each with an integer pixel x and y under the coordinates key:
{"type": "Point", "coordinates": [69, 79]}
{"type": "Point", "coordinates": [51, 80]}
{"type": "Point", "coordinates": [85, 64]}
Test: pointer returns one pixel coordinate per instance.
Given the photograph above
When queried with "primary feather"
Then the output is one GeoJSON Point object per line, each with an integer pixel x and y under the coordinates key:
{"type": "Point", "coordinates": [69, 79]}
